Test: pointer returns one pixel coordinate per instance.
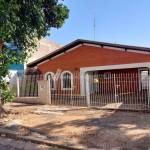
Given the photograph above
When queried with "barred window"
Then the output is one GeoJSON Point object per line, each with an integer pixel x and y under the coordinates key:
{"type": "Point", "coordinates": [67, 80]}
{"type": "Point", "coordinates": [52, 79]}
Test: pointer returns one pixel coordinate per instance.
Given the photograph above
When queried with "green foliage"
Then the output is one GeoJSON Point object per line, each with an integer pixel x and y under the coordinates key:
{"type": "Point", "coordinates": [6, 95]}
{"type": "Point", "coordinates": [24, 22]}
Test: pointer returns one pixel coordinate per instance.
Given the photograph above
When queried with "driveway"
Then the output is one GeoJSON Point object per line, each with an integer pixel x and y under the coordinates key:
{"type": "Point", "coordinates": [105, 129]}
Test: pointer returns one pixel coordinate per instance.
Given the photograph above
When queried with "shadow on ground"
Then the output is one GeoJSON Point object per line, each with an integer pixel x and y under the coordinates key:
{"type": "Point", "coordinates": [111, 130]}
{"type": "Point", "coordinates": [118, 130]}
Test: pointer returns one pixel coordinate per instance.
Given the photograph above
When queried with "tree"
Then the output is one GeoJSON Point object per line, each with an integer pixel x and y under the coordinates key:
{"type": "Point", "coordinates": [24, 22]}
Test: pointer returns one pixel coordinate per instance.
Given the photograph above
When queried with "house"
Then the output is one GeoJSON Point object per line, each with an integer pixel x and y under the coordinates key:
{"type": "Point", "coordinates": [45, 47]}
{"type": "Point", "coordinates": [94, 58]}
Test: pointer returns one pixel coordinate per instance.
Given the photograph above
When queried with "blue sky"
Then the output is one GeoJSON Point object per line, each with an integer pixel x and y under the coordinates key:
{"type": "Point", "coordinates": [121, 21]}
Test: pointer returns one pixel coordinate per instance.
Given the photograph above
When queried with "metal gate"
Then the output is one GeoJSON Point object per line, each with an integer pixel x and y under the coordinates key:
{"type": "Point", "coordinates": [119, 91]}
{"type": "Point", "coordinates": [70, 94]}
{"type": "Point", "coordinates": [105, 91]}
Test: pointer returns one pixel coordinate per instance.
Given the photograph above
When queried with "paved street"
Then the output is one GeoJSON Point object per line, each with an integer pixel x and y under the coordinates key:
{"type": "Point", "coordinates": [2, 147]}
{"type": "Point", "coordinates": [11, 144]}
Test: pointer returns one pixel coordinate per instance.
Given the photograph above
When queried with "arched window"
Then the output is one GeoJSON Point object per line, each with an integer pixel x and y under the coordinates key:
{"type": "Point", "coordinates": [66, 80]}
{"type": "Point", "coordinates": [52, 79]}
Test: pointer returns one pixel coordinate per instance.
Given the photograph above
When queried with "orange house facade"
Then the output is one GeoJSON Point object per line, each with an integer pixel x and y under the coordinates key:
{"type": "Point", "coordinates": [93, 58]}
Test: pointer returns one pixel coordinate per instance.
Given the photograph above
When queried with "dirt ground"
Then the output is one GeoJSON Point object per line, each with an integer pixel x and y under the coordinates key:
{"type": "Point", "coordinates": [115, 130]}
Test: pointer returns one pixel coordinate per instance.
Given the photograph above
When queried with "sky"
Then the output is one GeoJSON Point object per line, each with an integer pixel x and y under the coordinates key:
{"type": "Point", "coordinates": [117, 21]}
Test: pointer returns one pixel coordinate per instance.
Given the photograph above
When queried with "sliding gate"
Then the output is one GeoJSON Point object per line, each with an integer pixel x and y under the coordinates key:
{"type": "Point", "coordinates": [119, 91]}
{"type": "Point", "coordinates": [111, 91]}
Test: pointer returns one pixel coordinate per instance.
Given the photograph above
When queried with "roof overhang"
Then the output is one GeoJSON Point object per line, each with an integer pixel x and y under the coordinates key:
{"type": "Point", "coordinates": [80, 42]}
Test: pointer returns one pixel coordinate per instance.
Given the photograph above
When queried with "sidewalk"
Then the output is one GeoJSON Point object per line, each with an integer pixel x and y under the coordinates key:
{"type": "Point", "coordinates": [30, 143]}
{"type": "Point", "coordinates": [7, 143]}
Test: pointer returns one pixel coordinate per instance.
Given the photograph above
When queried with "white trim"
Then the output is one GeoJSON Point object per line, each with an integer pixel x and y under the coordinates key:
{"type": "Point", "coordinates": [139, 73]}
{"type": "Point", "coordinates": [53, 77]}
{"type": "Point", "coordinates": [45, 77]}
{"type": "Point", "coordinates": [62, 80]}
{"type": "Point", "coordinates": [135, 51]}
{"type": "Point", "coordinates": [141, 69]}
{"type": "Point", "coordinates": [42, 62]}
{"type": "Point", "coordinates": [111, 67]}
{"type": "Point", "coordinates": [57, 55]}
{"type": "Point", "coordinates": [95, 45]}
{"type": "Point", "coordinates": [114, 48]}
{"type": "Point", "coordinates": [73, 48]}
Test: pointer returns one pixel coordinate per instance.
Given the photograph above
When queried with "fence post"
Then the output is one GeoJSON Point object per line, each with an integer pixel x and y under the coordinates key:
{"type": "Point", "coordinates": [149, 91]}
{"type": "Point", "coordinates": [49, 89]}
{"type": "Point", "coordinates": [18, 88]}
{"type": "Point", "coordinates": [87, 90]}
{"type": "Point", "coordinates": [115, 91]}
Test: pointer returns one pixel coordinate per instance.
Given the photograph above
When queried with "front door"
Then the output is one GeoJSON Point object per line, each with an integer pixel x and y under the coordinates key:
{"type": "Point", "coordinates": [144, 79]}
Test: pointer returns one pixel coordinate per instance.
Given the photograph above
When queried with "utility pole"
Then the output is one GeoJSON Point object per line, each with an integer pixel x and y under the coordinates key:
{"type": "Point", "coordinates": [94, 27]}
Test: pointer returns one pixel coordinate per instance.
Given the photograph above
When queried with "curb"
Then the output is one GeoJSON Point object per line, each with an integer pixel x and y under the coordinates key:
{"type": "Point", "coordinates": [64, 145]}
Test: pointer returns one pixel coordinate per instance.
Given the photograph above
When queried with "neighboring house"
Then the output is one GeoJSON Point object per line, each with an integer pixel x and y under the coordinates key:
{"type": "Point", "coordinates": [45, 47]}
{"type": "Point", "coordinates": [15, 67]}
{"type": "Point", "coordinates": [94, 58]}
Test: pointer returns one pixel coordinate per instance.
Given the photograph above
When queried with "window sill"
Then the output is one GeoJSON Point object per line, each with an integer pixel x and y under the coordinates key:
{"type": "Point", "coordinates": [64, 89]}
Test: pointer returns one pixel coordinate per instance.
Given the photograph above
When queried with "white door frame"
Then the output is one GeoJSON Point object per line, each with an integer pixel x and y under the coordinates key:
{"type": "Point", "coordinates": [139, 72]}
